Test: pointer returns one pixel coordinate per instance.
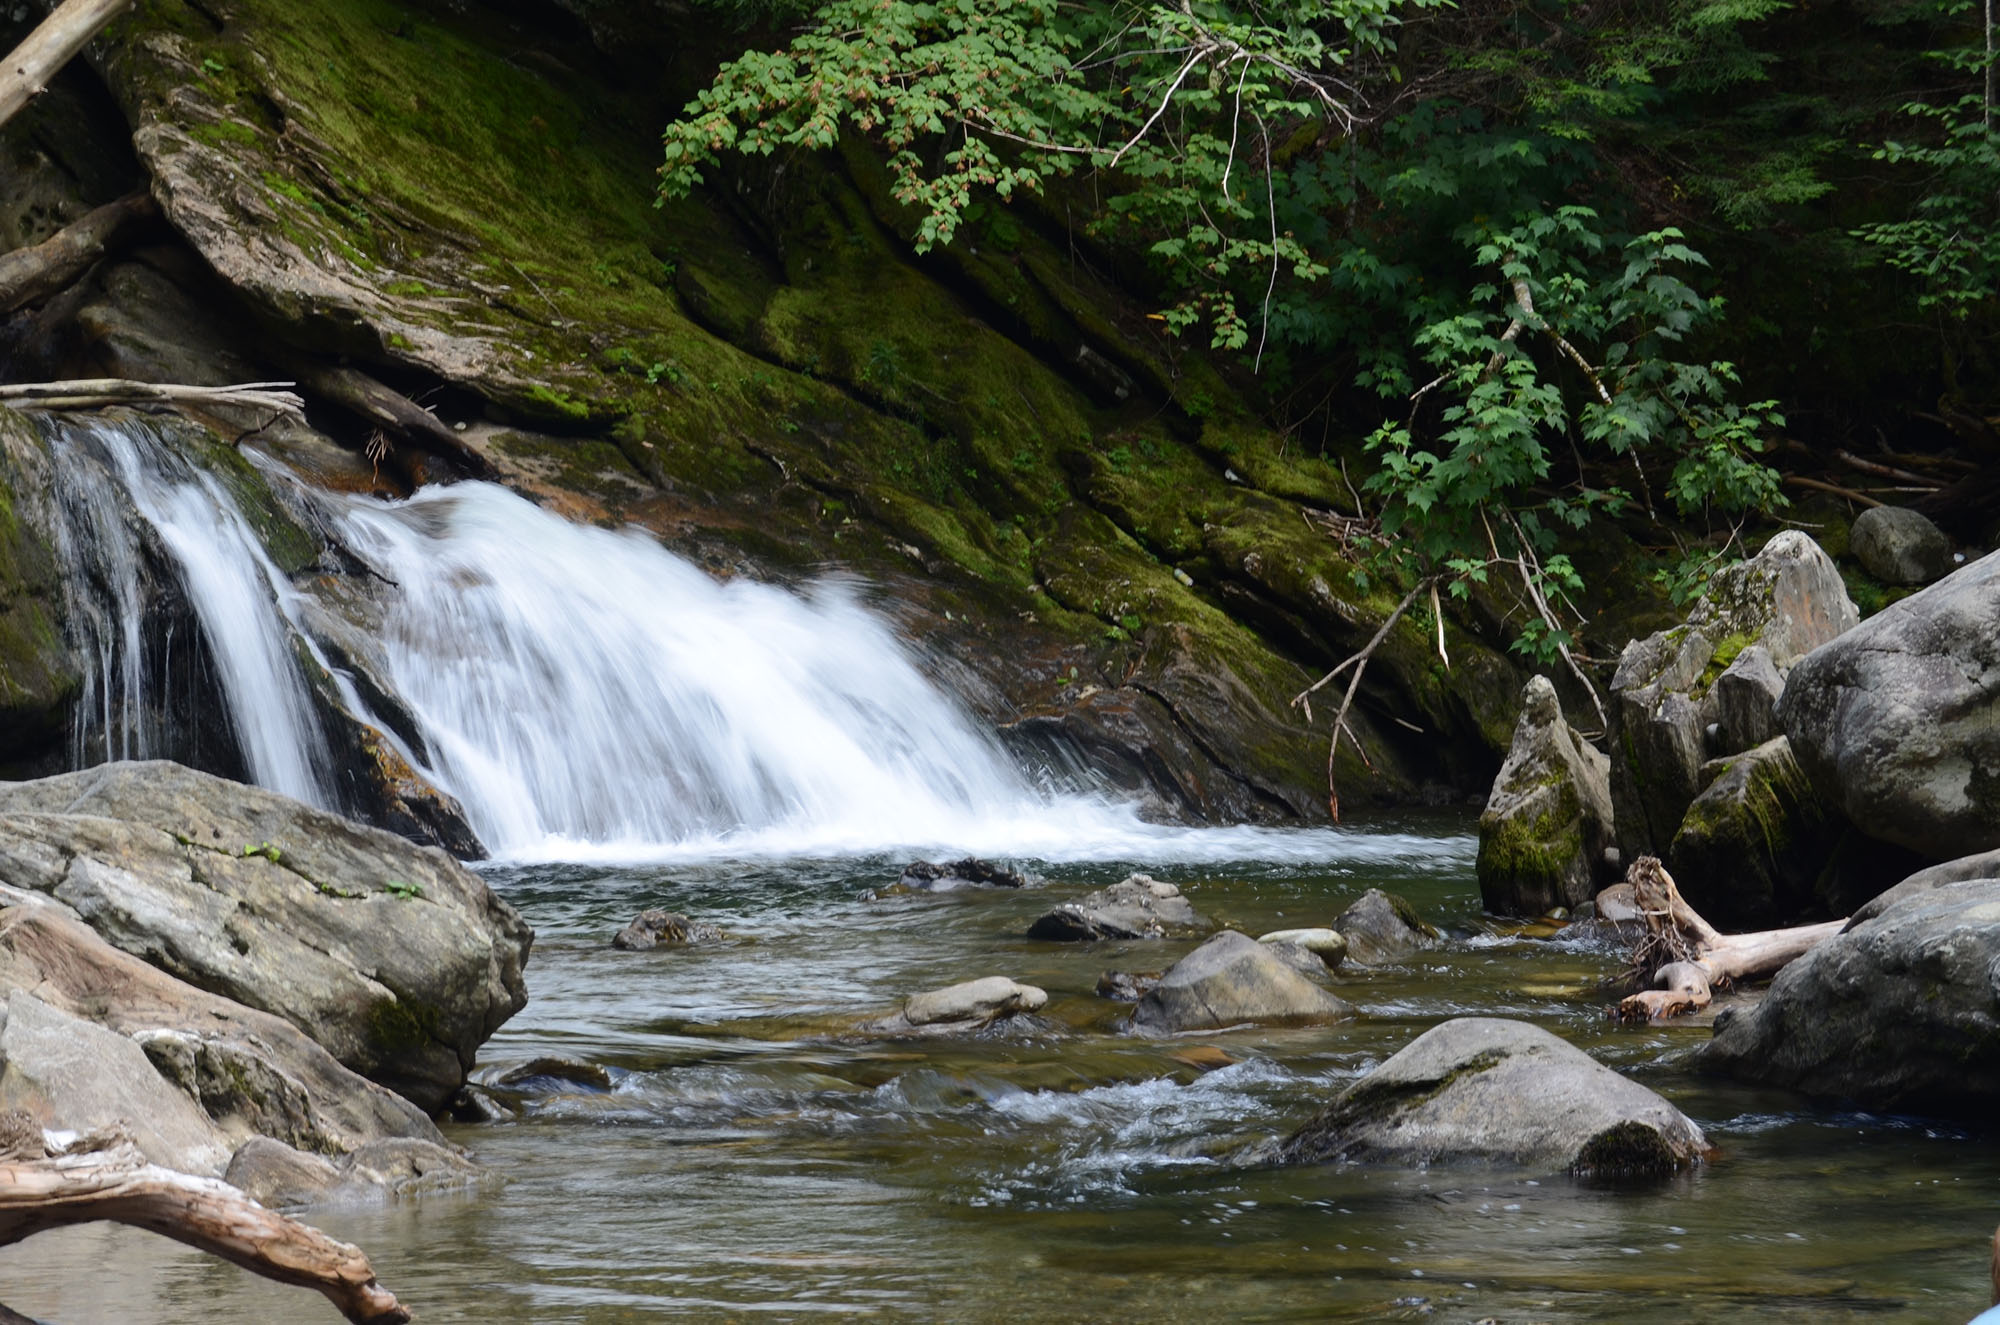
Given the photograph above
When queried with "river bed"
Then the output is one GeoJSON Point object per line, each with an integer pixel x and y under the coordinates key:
{"type": "Point", "coordinates": [749, 1161]}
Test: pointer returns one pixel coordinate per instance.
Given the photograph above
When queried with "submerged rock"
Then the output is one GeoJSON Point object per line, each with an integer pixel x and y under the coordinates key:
{"type": "Point", "coordinates": [925, 876]}
{"type": "Point", "coordinates": [1901, 1011]}
{"type": "Point", "coordinates": [958, 1008]}
{"type": "Point", "coordinates": [553, 1072]}
{"type": "Point", "coordinates": [1548, 820]}
{"type": "Point", "coordinates": [1232, 979]}
{"type": "Point", "coordinates": [1381, 928]}
{"type": "Point", "coordinates": [275, 1175]}
{"type": "Point", "coordinates": [1137, 907]}
{"type": "Point", "coordinates": [650, 929]}
{"type": "Point", "coordinates": [1898, 721]}
{"type": "Point", "coordinates": [1899, 546]}
{"type": "Point", "coordinates": [1751, 847]}
{"type": "Point", "coordinates": [1480, 1090]}
{"type": "Point", "coordinates": [1126, 986]}
{"type": "Point", "coordinates": [394, 957]}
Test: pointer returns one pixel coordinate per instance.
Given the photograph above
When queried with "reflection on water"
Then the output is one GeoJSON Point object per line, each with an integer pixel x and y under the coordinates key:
{"type": "Point", "coordinates": [750, 1160]}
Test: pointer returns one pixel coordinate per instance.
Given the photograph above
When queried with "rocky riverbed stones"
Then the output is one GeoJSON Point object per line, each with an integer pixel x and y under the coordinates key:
{"type": "Point", "coordinates": [1548, 820]}
{"type": "Point", "coordinates": [1136, 907]}
{"type": "Point", "coordinates": [1482, 1090]}
{"type": "Point", "coordinates": [1326, 944]}
{"type": "Point", "coordinates": [1898, 722]}
{"type": "Point", "coordinates": [1751, 847]}
{"type": "Point", "coordinates": [1233, 979]}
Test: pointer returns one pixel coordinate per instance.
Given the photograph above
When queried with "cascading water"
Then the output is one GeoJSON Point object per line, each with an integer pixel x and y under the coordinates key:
{"type": "Point", "coordinates": [106, 467]}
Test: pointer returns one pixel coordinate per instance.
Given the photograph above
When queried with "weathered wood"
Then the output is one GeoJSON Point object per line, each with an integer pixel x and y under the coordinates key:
{"type": "Point", "coordinates": [29, 275]}
{"type": "Point", "coordinates": [99, 392]}
{"type": "Point", "coordinates": [84, 1186]}
{"type": "Point", "coordinates": [394, 412]}
{"type": "Point", "coordinates": [49, 47]}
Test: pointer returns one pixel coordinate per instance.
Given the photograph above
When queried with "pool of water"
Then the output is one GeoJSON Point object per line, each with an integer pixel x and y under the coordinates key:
{"type": "Point", "coordinates": [757, 1158]}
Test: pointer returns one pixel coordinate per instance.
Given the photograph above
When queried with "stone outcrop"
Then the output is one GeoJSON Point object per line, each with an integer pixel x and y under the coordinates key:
{"type": "Point", "coordinates": [1548, 820]}
{"type": "Point", "coordinates": [1382, 928]}
{"type": "Point", "coordinates": [1900, 546]}
{"type": "Point", "coordinates": [1136, 907]}
{"type": "Point", "coordinates": [1746, 698]}
{"type": "Point", "coordinates": [1788, 599]}
{"type": "Point", "coordinates": [1901, 1011]}
{"type": "Point", "coordinates": [394, 957]}
{"type": "Point", "coordinates": [1751, 847]}
{"type": "Point", "coordinates": [1898, 722]}
{"type": "Point", "coordinates": [1233, 979]}
{"type": "Point", "coordinates": [1481, 1090]}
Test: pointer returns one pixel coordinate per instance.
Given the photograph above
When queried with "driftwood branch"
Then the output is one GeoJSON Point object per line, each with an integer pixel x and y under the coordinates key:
{"type": "Point", "coordinates": [1686, 959]}
{"type": "Point", "coordinates": [49, 47]}
{"type": "Point", "coordinates": [1799, 481]}
{"type": "Point", "coordinates": [394, 412]}
{"type": "Point", "coordinates": [118, 1184]}
{"type": "Point", "coordinates": [100, 392]}
{"type": "Point", "coordinates": [29, 275]}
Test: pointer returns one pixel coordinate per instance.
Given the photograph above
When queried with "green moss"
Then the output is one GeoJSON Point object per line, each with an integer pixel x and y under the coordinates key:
{"type": "Point", "coordinates": [401, 1025]}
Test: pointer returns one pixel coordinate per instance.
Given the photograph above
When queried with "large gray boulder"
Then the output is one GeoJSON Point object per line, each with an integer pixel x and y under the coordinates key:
{"type": "Point", "coordinates": [1898, 721]}
{"type": "Point", "coordinates": [1548, 819]}
{"type": "Point", "coordinates": [1788, 599]}
{"type": "Point", "coordinates": [1136, 907]}
{"type": "Point", "coordinates": [1233, 979]}
{"type": "Point", "coordinates": [1899, 546]}
{"type": "Point", "coordinates": [1751, 847]}
{"type": "Point", "coordinates": [1902, 1011]}
{"type": "Point", "coordinates": [394, 957]}
{"type": "Point", "coordinates": [1480, 1090]}
{"type": "Point", "coordinates": [1382, 928]}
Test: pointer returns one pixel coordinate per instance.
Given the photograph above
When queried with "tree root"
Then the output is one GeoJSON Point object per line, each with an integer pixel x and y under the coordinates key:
{"type": "Point", "coordinates": [30, 275]}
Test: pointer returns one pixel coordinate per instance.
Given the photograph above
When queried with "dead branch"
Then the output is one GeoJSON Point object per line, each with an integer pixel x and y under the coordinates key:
{"type": "Point", "coordinates": [1799, 481]}
{"type": "Point", "coordinates": [30, 275]}
{"type": "Point", "coordinates": [88, 1183]}
{"type": "Point", "coordinates": [49, 47]}
{"type": "Point", "coordinates": [1853, 461]}
{"type": "Point", "coordinates": [394, 412]}
{"type": "Point", "coordinates": [100, 392]}
{"type": "Point", "coordinates": [1359, 662]}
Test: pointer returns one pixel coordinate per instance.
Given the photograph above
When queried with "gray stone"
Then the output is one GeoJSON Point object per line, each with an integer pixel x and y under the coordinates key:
{"type": "Point", "coordinates": [1233, 979]}
{"type": "Point", "coordinates": [1898, 722]}
{"type": "Point", "coordinates": [1381, 928]}
{"type": "Point", "coordinates": [1789, 598]}
{"type": "Point", "coordinates": [1753, 844]}
{"type": "Point", "coordinates": [1984, 865]}
{"type": "Point", "coordinates": [1745, 696]}
{"type": "Point", "coordinates": [956, 1009]}
{"type": "Point", "coordinates": [1136, 907]}
{"type": "Point", "coordinates": [928, 876]}
{"type": "Point", "coordinates": [1902, 1011]}
{"type": "Point", "coordinates": [1900, 546]}
{"type": "Point", "coordinates": [394, 957]}
{"type": "Point", "coordinates": [70, 1074]}
{"type": "Point", "coordinates": [651, 929]}
{"type": "Point", "coordinates": [1480, 1090]}
{"type": "Point", "coordinates": [1548, 819]}
{"type": "Point", "coordinates": [275, 1175]}
{"type": "Point", "coordinates": [1328, 945]}
{"type": "Point", "coordinates": [554, 1073]}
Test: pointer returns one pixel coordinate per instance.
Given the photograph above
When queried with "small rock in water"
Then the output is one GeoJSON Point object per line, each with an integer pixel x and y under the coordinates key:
{"type": "Point", "coordinates": [1136, 907]}
{"type": "Point", "coordinates": [1202, 1057]}
{"type": "Point", "coordinates": [928, 876]}
{"type": "Point", "coordinates": [549, 1073]}
{"type": "Point", "coordinates": [1325, 944]}
{"type": "Point", "coordinates": [1233, 979]}
{"type": "Point", "coordinates": [960, 1007]}
{"type": "Point", "coordinates": [1381, 927]}
{"type": "Point", "coordinates": [649, 929]}
{"type": "Point", "coordinates": [1126, 986]}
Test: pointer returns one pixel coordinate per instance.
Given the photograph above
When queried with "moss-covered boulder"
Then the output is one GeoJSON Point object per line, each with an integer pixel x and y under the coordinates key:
{"type": "Point", "coordinates": [39, 677]}
{"type": "Point", "coordinates": [1751, 848]}
{"type": "Point", "coordinates": [1547, 822]}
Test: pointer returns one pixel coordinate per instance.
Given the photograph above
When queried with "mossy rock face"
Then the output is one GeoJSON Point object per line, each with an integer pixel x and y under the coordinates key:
{"type": "Point", "coordinates": [1545, 827]}
{"type": "Point", "coordinates": [1752, 846]}
{"type": "Point", "coordinates": [39, 678]}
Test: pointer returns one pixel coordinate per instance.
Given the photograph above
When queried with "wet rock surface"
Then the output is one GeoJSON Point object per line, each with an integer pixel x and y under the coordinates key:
{"type": "Point", "coordinates": [1233, 979]}
{"type": "Point", "coordinates": [1137, 907]}
{"type": "Point", "coordinates": [957, 1009]}
{"type": "Point", "coordinates": [929, 876]}
{"type": "Point", "coordinates": [1481, 1090]}
{"type": "Point", "coordinates": [657, 928]}
{"type": "Point", "coordinates": [1381, 928]}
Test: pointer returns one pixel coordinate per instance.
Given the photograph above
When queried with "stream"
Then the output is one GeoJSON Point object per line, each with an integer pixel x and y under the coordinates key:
{"type": "Point", "coordinates": [750, 1161]}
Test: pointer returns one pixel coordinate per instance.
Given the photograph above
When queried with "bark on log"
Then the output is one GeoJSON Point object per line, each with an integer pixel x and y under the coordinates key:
{"type": "Point", "coordinates": [99, 392]}
{"type": "Point", "coordinates": [118, 1184]}
{"type": "Point", "coordinates": [395, 412]}
{"type": "Point", "coordinates": [30, 275]}
{"type": "Point", "coordinates": [49, 47]}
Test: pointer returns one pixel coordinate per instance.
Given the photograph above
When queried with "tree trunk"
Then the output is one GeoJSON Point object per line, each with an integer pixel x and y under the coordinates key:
{"type": "Point", "coordinates": [49, 47]}
{"type": "Point", "coordinates": [29, 275]}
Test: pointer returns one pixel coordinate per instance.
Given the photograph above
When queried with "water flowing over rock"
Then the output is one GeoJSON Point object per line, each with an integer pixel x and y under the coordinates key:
{"type": "Point", "coordinates": [1232, 979]}
{"type": "Point", "coordinates": [650, 929]}
{"type": "Point", "coordinates": [1788, 599]}
{"type": "Point", "coordinates": [1480, 1090]}
{"type": "Point", "coordinates": [1751, 847]}
{"type": "Point", "coordinates": [1898, 721]}
{"type": "Point", "coordinates": [1382, 928]}
{"type": "Point", "coordinates": [393, 956]}
{"type": "Point", "coordinates": [1137, 907]}
{"type": "Point", "coordinates": [1901, 1011]}
{"type": "Point", "coordinates": [1548, 820]}
{"type": "Point", "coordinates": [929, 876]}
{"type": "Point", "coordinates": [1899, 546]}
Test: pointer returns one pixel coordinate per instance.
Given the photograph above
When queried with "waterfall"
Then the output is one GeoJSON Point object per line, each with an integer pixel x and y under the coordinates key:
{"type": "Point", "coordinates": [108, 467]}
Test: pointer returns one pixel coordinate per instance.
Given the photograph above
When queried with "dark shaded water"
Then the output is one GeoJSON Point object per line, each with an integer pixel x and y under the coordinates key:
{"type": "Point", "coordinates": [747, 1162]}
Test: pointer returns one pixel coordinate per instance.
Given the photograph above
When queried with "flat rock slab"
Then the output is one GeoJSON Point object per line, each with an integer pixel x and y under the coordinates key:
{"type": "Point", "coordinates": [1480, 1090]}
{"type": "Point", "coordinates": [1233, 979]}
{"type": "Point", "coordinates": [1137, 907]}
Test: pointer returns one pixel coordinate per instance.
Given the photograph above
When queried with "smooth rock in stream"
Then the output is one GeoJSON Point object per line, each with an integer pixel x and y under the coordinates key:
{"type": "Point", "coordinates": [1233, 979]}
{"type": "Point", "coordinates": [1382, 928]}
{"type": "Point", "coordinates": [1481, 1090]}
{"type": "Point", "coordinates": [1136, 907]}
{"type": "Point", "coordinates": [928, 876]}
{"type": "Point", "coordinates": [279, 1177]}
{"type": "Point", "coordinates": [1900, 1012]}
{"type": "Point", "coordinates": [961, 1007]}
{"type": "Point", "coordinates": [1751, 847]}
{"type": "Point", "coordinates": [651, 929]}
{"type": "Point", "coordinates": [394, 957]}
{"type": "Point", "coordinates": [1329, 945]}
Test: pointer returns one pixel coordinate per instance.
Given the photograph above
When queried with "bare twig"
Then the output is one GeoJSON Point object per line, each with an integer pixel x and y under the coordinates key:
{"type": "Point", "coordinates": [1358, 661]}
{"type": "Point", "coordinates": [1799, 481]}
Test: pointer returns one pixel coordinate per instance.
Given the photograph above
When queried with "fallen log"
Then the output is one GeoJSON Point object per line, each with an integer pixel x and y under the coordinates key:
{"type": "Point", "coordinates": [29, 275]}
{"type": "Point", "coordinates": [105, 1177]}
{"type": "Point", "coordinates": [100, 392]}
{"type": "Point", "coordinates": [392, 411]}
{"type": "Point", "coordinates": [49, 47]}
{"type": "Point", "coordinates": [1685, 959]}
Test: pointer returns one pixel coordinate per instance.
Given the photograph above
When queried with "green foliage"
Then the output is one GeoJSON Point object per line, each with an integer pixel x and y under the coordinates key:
{"type": "Point", "coordinates": [1948, 240]}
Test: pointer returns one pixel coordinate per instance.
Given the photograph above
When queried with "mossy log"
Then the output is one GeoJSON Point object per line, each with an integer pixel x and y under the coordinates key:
{"type": "Point", "coordinates": [85, 1184]}
{"type": "Point", "coordinates": [1685, 959]}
